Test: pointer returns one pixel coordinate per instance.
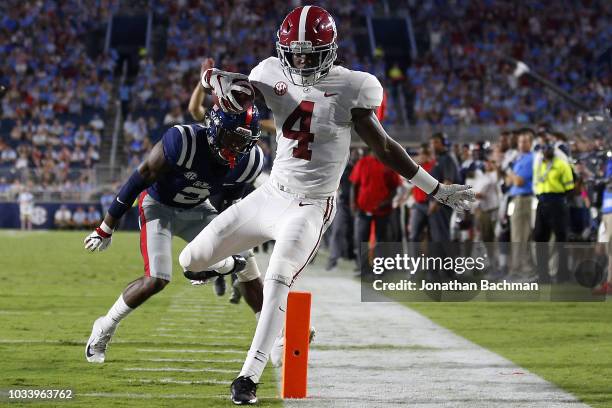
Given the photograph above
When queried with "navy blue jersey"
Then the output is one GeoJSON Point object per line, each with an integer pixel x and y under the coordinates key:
{"type": "Point", "coordinates": [196, 173]}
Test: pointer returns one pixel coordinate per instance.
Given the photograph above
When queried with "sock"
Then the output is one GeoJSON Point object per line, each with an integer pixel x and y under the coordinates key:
{"type": "Point", "coordinates": [257, 316]}
{"type": "Point", "coordinates": [270, 323]}
{"type": "Point", "coordinates": [116, 313]}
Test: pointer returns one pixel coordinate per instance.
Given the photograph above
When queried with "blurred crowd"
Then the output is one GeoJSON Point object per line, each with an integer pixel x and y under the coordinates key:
{"type": "Point", "coordinates": [53, 110]}
{"type": "Point", "coordinates": [461, 79]}
{"type": "Point", "coordinates": [531, 185]}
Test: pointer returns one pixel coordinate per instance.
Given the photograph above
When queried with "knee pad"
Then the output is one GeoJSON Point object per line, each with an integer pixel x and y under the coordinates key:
{"type": "Point", "coordinates": [251, 272]}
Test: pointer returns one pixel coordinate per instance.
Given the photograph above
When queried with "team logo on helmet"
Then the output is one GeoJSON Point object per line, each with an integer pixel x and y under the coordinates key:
{"type": "Point", "coordinates": [280, 88]}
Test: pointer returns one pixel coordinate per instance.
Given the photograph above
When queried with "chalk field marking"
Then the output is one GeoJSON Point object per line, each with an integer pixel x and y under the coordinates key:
{"type": "Point", "coordinates": [161, 350]}
{"type": "Point", "coordinates": [180, 370]}
{"type": "Point", "coordinates": [193, 360]}
{"type": "Point", "coordinates": [182, 382]}
{"type": "Point", "coordinates": [127, 395]}
{"type": "Point", "coordinates": [174, 329]}
{"type": "Point", "coordinates": [187, 336]}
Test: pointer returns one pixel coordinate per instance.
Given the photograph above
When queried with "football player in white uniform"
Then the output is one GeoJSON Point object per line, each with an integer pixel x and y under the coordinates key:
{"type": "Point", "coordinates": [315, 105]}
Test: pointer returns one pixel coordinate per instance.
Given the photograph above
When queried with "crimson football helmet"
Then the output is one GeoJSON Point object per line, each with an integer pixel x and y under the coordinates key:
{"type": "Point", "coordinates": [309, 31]}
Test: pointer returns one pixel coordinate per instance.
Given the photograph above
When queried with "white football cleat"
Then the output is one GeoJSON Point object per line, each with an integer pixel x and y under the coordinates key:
{"type": "Point", "coordinates": [278, 349]}
{"type": "Point", "coordinates": [95, 350]}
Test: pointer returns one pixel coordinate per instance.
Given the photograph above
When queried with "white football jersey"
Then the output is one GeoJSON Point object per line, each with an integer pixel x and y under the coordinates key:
{"type": "Point", "coordinates": [313, 124]}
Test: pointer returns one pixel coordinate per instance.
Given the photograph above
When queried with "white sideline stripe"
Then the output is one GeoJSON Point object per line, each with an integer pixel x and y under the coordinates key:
{"type": "Point", "coordinates": [302, 26]}
{"type": "Point", "coordinates": [118, 341]}
{"type": "Point", "coordinates": [185, 382]}
{"type": "Point", "coordinates": [186, 336]}
{"type": "Point", "coordinates": [160, 350]}
{"type": "Point", "coordinates": [148, 396]}
{"type": "Point", "coordinates": [174, 329]}
{"type": "Point", "coordinates": [180, 370]}
{"type": "Point", "coordinates": [188, 320]}
{"type": "Point", "coordinates": [194, 360]}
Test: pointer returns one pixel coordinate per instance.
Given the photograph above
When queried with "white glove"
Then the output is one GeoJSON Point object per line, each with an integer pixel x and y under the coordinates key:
{"type": "Point", "coordinates": [456, 196]}
{"type": "Point", "coordinates": [98, 239]}
{"type": "Point", "coordinates": [222, 83]}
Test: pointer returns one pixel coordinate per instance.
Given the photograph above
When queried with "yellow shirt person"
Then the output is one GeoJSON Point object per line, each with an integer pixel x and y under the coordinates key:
{"type": "Point", "coordinates": [552, 176]}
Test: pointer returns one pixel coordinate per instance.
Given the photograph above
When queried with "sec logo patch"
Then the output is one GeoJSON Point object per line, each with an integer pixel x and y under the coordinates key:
{"type": "Point", "coordinates": [280, 88]}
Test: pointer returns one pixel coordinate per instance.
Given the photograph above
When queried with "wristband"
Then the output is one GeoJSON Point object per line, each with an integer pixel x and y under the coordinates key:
{"type": "Point", "coordinates": [424, 181]}
{"type": "Point", "coordinates": [104, 227]}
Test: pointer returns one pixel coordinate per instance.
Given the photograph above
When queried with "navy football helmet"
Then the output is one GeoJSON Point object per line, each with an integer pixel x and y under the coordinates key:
{"type": "Point", "coordinates": [232, 135]}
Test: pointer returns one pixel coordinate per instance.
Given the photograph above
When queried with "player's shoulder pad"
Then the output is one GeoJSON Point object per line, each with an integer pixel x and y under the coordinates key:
{"type": "Point", "coordinates": [262, 68]}
{"type": "Point", "coordinates": [250, 166]}
{"type": "Point", "coordinates": [370, 91]}
{"type": "Point", "coordinates": [179, 144]}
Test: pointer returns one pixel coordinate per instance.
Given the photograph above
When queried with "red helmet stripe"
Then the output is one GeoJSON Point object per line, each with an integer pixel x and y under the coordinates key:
{"type": "Point", "coordinates": [249, 116]}
{"type": "Point", "coordinates": [302, 26]}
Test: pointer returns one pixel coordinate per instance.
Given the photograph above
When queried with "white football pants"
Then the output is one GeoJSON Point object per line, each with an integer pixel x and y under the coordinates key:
{"type": "Point", "coordinates": [296, 223]}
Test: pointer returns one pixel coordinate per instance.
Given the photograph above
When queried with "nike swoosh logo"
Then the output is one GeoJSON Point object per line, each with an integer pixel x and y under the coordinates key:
{"type": "Point", "coordinates": [304, 204]}
{"type": "Point", "coordinates": [87, 352]}
{"type": "Point", "coordinates": [327, 95]}
{"type": "Point", "coordinates": [120, 202]}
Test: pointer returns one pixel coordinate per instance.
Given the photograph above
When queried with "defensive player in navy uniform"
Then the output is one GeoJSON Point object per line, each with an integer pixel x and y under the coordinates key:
{"type": "Point", "coordinates": [189, 163]}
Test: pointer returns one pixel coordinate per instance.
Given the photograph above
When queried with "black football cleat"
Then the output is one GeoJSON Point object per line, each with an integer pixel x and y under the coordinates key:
{"type": "Point", "coordinates": [205, 276]}
{"type": "Point", "coordinates": [239, 264]}
{"type": "Point", "coordinates": [243, 391]}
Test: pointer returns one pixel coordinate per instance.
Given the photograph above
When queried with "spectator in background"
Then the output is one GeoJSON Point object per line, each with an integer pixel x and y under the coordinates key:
{"type": "Point", "coordinates": [605, 229]}
{"type": "Point", "coordinates": [79, 218]}
{"type": "Point", "coordinates": [63, 217]}
{"type": "Point", "coordinates": [106, 200]}
{"type": "Point", "coordinates": [485, 187]}
{"type": "Point", "coordinates": [97, 123]}
{"type": "Point", "coordinates": [420, 208]}
{"type": "Point", "coordinates": [553, 179]}
{"type": "Point", "coordinates": [174, 116]}
{"type": "Point", "coordinates": [93, 217]}
{"type": "Point", "coordinates": [520, 178]}
{"type": "Point", "coordinates": [26, 206]}
{"type": "Point", "coordinates": [372, 192]}
{"type": "Point", "coordinates": [445, 171]}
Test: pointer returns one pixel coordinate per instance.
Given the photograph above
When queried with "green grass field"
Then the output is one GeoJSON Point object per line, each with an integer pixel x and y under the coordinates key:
{"type": "Point", "coordinates": [184, 346]}
{"type": "Point", "coordinates": [51, 290]}
{"type": "Point", "coordinates": [568, 344]}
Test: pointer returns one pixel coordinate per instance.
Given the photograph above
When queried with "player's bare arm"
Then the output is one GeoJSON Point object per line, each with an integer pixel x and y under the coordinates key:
{"type": "Point", "coordinates": [146, 174]}
{"type": "Point", "coordinates": [392, 154]}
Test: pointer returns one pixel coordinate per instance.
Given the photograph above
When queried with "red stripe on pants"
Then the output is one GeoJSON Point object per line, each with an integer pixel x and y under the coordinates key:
{"type": "Point", "coordinates": [143, 234]}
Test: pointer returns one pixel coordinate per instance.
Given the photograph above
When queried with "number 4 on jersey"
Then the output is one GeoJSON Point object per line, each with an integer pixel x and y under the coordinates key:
{"type": "Point", "coordinates": [303, 113]}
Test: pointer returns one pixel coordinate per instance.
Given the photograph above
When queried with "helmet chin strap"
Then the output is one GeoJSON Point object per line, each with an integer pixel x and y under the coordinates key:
{"type": "Point", "coordinates": [230, 156]}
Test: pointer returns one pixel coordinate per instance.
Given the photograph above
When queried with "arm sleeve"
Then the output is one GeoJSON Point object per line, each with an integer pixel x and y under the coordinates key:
{"type": "Point", "coordinates": [370, 93]}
